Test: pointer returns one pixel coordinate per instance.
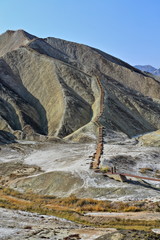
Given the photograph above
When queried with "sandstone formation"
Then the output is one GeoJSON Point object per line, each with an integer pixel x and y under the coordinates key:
{"type": "Point", "coordinates": [48, 87]}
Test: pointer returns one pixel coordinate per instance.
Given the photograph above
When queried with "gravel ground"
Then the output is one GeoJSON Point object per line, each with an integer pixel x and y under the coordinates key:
{"type": "Point", "coordinates": [18, 225]}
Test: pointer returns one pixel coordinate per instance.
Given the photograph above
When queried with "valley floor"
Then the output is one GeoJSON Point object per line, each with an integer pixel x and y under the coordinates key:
{"type": "Point", "coordinates": [64, 169]}
{"type": "Point", "coordinates": [18, 225]}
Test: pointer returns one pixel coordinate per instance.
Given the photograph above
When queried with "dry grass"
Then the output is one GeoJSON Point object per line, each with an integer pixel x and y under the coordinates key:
{"type": "Point", "coordinates": [132, 209]}
{"type": "Point", "coordinates": [72, 208]}
{"type": "Point", "coordinates": [74, 203]}
{"type": "Point", "coordinates": [105, 169]}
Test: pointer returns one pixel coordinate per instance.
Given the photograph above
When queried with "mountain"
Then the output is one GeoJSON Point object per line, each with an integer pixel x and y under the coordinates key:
{"type": "Point", "coordinates": [149, 69]}
{"type": "Point", "coordinates": [49, 89]}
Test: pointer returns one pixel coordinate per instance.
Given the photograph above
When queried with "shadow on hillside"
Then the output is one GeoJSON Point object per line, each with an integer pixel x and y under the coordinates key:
{"type": "Point", "coordinates": [142, 184]}
{"type": "Point", "coordinates": [32, 111]}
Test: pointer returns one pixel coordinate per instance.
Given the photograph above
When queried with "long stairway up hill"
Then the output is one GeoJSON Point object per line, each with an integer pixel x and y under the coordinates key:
{"type": "Point", "coordinates": [48, 88]}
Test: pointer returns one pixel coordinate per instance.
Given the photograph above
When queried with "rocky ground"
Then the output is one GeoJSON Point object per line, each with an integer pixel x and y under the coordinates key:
{"type": "Point", "coordinates": [64, 169]}
{"type": "Point", "coordinates": [18, 225]}
{"type": "Point", "coordinates": [127, 234]}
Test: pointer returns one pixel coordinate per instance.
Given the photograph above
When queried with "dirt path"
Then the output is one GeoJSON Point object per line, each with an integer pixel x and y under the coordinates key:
{"type": "Point", "coordinates": [128, 215]}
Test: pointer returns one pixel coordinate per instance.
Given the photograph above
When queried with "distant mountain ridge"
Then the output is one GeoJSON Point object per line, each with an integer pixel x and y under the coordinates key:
{"type": "Point", "coordinates": [148, 68]}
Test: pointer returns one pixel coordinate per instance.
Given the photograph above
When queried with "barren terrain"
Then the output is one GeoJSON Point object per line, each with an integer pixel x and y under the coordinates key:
{"type": "Point", "coordinates": [64, 169]}
{"type": "Point", "coordinates": [19, 225]}
{"type": "Point", "coordinates": [69, 114]}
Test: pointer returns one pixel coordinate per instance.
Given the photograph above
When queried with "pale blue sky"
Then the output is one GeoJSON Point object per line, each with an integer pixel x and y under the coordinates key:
{"type": "Point", "coordinates": [127, 29]}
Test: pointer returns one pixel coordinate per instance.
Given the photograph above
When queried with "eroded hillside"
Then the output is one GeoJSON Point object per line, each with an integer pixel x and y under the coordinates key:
{"type": "Point", "coordinates": [48, 88]}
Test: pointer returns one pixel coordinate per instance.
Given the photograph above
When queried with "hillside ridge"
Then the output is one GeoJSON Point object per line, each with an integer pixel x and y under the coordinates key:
{"type": "Point", "coordinates": [49, 87]}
